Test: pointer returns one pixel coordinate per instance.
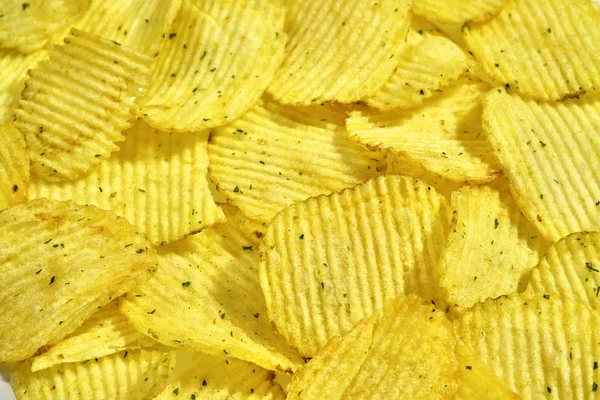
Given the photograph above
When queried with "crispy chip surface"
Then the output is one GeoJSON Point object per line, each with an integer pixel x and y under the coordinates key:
{"type": "Point", "coordinates": [329, 261]}
{"type": "Point", "coordinates": [550, 153]}
{"type": "Point", "coordinates": [397, 166]}
{"type": "Point", "coordinates": [406, 352]}
{"type": "Point", "coordinates": [76, 104]}
{"type": "Point", "coordinates": [539, 346]}
{"type": "Point", "coordinates": [14, 167]}
{"type": "Point", "coordinates": [157, 181]}
{"type": "Point", "coordinates": [444, 135]}
{"type": "Point", "coordinates": [339, 50]}
{"type": "Point", "coordinates": [207, 297]}
{"type": "Point", "coordinates": [59, 262]}
{"type": "Point", "coordinates": [215, 62]}
{"type": "Point", "coordinates": [457, 11]}
{"type": "Point", "coordinates": [545, 49]}
{"type": "Point", "coordinates": [138, 374]}
{"type": "Point", "coordinates": [275, 155]}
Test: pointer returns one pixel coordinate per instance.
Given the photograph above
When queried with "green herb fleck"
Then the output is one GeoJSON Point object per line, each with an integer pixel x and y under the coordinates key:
{"type": "Point", "coordinates": [547, 296]}
{"type": "Point", "coordinates": [256, 315]}
{"type": "Point", "coordinates": [125, 355]}
{"type": "Point", "coordinates": [542, 144]}
{"type": "Point", "coordinates": [51, 280]}
{"type": "Point", "coordinates": [176, 392]}
{"type": "Point", "coordinates": [421, 92]}
{"type": "Point", "coordinates": [247, 248]}
{"type": "Point", "coordinates": [236, 189]}
{"type": "Point", "coordinates": [204, 382]}
{"type": "Point", "coordinates": [25, 6]}
{"type": "Point", "coordinates": [589, 266]}
{"type": "Point", "coordinates": [140, 251]}
{"type": "Point", "coordinates": [496, 223]}
{"type": "Point", "coordinates": [302, 237]}
{"type": "Point", "coordinates": [186, 284]}
{"type": "Point", "coordinates": [549, 389]}
{"type": "Point", "coordinates": [322, 285]}
{"type": "Point", "coordinates": [594, 386]}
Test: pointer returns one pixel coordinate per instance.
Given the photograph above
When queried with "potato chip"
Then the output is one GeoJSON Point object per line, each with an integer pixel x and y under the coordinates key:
{"type": "Point", "coordinates": [329, 261]}
{"type": "Point", "coordinates": [406, 352]}
{"type": "Point", "coordinates": [275, 155]}
{"type": "Point", "coordinates": [339, 50]}
{"type": "Point", "coordinates": [14, 167]}
{"type": "Point", "coordinates": [457, 11]}
{"type": "Point", "coordinates": [550, 155]}
{"type": "Point", "coordinates": [218, 377]}
{"type": "Point", "coordinates": [540, 346]}
{"type": "Point", "coordinates": [59, 262]}
{"type": "Point", "coordinates": [206, 297]}
{"type": "Point", "coordinates": [27, 27]}
{"type": "Point", "coordinates": [397, 166]}
{"type": "Point", "coordinates": [545, 49]}
{"type": "Point", "coordinates": [427, 63]}
{"type": "Point", "coordinates": [157, 181]}
{"type": "Point", "coordinates": [105, 333]}
{"type": "Point", "coordinates": [75, 105]}
{"type": "Point", "coordinates": [490, 246]}
{"type": "Point", "coordinates": [571, 269]}
{"type": "Point", "coordinates": [444, 135]}
{"type": "Point", "coordinates": [138, 374]}
{"type": "Point", "coordinates": [216, 62]}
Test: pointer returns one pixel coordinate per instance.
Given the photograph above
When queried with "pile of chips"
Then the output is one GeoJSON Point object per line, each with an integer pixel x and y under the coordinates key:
{"type": "Point", "coordinates": [261, 199]}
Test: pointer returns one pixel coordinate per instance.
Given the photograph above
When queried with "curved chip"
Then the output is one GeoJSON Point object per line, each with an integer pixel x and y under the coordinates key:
{"type": "Point", "coordinates": [275, 155]}
{"type": "Point", "coordinates": [59, 262]}
{"type": "Point", "coordinates": [214, 64]}
{"type": "Point", "coordinates": [540, 346]}
{"type": "Point", "coordinates": [329, 261]}
{"type": "Point", "coordinates": [405, 352]}
{"type": "Point", "coordinates": [571, 270]}
{"type": "Point", "coordinates": [218, 377]}
{"type": "Point", "coordinates": [105, 333]}
{"type": "Point", "coordinates": [545, 49]}
{"type": "Point", "coordinates": [206, 297]}
{"type": "Point", "coordinates": [157, 181]}
{"type": "Point", "coordinates": [129, 375]}
{"type": "Point", "coordinates": [339, 51]}
{"type": "Point", "coordinates": [489, 248]}
{"type": "Point", "coordinates": [76, 104]}
{"type": "Point", "coordinates": [444, 135]}
{"type": "Point", "coordinates": [550, 154]}
{"type": "Point", "coordinates": [14, 167]}
{"type": "Point", "coordinates": [427, 63]}
{"type": "Point", "coordinates": [457, 11]}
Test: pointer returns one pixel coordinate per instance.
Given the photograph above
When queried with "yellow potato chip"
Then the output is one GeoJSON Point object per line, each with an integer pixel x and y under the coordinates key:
{"type": "Point", "coordinates": [545, 49]}
{"type": "Point", "coordinates": [490, 246]}
{"type": "Point", "coordinates": [540, 346]}
{"type": "Point", "coordinates": [339, 50]}
{"type": "Point", "coordinates": [214, 63]}
{"type": "Point", "coordinates": [28, 26]}
{"type": "Point", "coordinates": [457, 11]}
{"type": "Point", "coordinates": [329, 261]}
{"type": "Point", "coordinates": [157, 181]}
{"type": "Point", "coordinates": [105, 333]}
{"type": "Point", "coordinates": [206, 296]}
{"type": "Point", "coordinates": [406, 352]}
{"type": "Point", "coordinates": [275, 155]}
{"type": "Point", "coordinates": [427, 63]}
{"type": "Point", "coordinates": [397, 166]}
{"type": "Point", "coordinates": [59, 262]}
{"type": "Point", "coordinates": [128, 375]}
{"type": "Point", "coordinates": [218, 377]}
{"type": "Point", "coordinates": [76, 104]}
{"type": "Point", "coordinates": [14, 167]}
{"type": "Point", "coordinates": [444, 135]}
{"type": "Point", "coordinates": [571, 270]}
{"type": "Point", "coordinates": [549, 153]}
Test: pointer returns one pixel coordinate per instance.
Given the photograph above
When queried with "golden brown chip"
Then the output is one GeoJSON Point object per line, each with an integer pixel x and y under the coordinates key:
{"type": "Point", "coordinates": [14, 167]}
{"type": "Point", "coordinates": [457, 11]}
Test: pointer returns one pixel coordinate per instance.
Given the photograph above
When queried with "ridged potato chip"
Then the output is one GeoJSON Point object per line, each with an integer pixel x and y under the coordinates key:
{"type": "Point", "coordinates": [457, 11]}
{"type": "Point", "coordinates": [128, 375]}
{"type": "Point", "coordinates": [275, 155]}
{"type": "Point", "coordinates": [157, 181]}
{"type": "Point", "coordinates": [14, 167]}
{"type": "Point", "coordinates": [489, 248]}
{"type": "Point", "coordinates": [206, 296]}
{"type": "Point", "coordinates": [550, 153]}
{"type": "Point", "coordinates": [329, 261]}
{"type": "Point", "coordinates": [444, 135]}
{"type": "Point", "coordinates": [405, 352]}
{"type": "Point", "coordinates": [59, 262]}
{"type": "Point", "coordinates": [571, 270]}
{"type": "Point", "coordinates": [339, 50]}
{"type": "Point", "coordinates": [427, 63]}
{"type": "Point", "coordinates": [540, 346]}
{"type": "Point", "coordinates": [76, 104]}
{"type": "Point", "coordinates": [105, 333]}
{"type": "Point", "coordinates": [544, 49]}
{"type": "Point", "coordinates": [217, 61]}
{"type": "Point", "coordinates": [397, 166]}
{"type": "Point", "coordinates": [218, 377]}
